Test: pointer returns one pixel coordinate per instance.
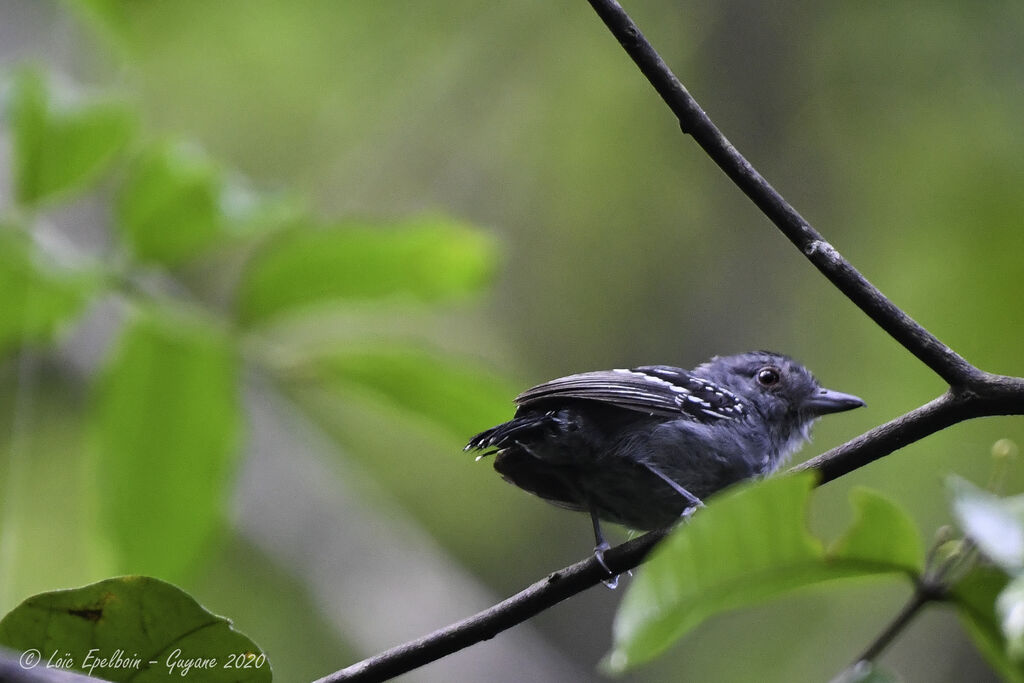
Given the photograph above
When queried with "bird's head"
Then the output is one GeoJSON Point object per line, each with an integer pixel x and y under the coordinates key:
{"type": "Point", "coordinates": [779, 389]}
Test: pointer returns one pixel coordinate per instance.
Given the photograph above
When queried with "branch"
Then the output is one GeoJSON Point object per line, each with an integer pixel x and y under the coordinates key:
{"type": "Point", "coordinates": [549, 591]}
{"type": "Point", "coordinates": [990, 395]}
{"type": "Point", "coordinates": [692, 119]}
{"type": "Point", "coordinates": [973, 393]}
{"type": "Point", "coordinates": [923, 595]}
{"type": "Point", "coordinates": [918, 600]}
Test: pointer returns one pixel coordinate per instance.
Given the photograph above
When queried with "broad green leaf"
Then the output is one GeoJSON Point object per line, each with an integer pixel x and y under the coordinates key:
{"type": "Point", "coordinates": [975, 598]}
{"type": "Point", "coordinates": [167, 428]}
{"type": "Point", "coordinates": [422, 260]}
{"type": "Point", "coordinates": [61, 147]}
{"type": "Point", "coordinates": [169, 207]}
{"type": "Point", "coordinates": [881, 533]}
{"type": "Point", "coordinates": [748, 546]}
{"type": "Point", "coordinates": [995, 524]}
{"type": "Point", "coordinates": [35, 300]}
{"type": "Point", "coordinates": [133, 628]}
{"type": "Point", "coordinates": [443, 389]}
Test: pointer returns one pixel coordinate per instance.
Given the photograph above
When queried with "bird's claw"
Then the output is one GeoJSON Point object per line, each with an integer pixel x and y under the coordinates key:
{"type": "Point", "coordinates": [599, 551]}
{"type": "Point", "coordinates": [613, 579]}
{"type": "Point", "coordinates": [688, 512]}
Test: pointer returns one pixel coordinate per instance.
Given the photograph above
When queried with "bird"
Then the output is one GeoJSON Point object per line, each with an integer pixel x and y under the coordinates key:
{"type": "Point", "coordinates": [643, 447]}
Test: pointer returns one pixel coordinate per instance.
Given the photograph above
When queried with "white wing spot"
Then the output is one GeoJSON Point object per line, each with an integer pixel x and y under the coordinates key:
{"type": "Point", "coordinates": [645, 376]}
{"type": "Point", "coordinates": [686, 393]}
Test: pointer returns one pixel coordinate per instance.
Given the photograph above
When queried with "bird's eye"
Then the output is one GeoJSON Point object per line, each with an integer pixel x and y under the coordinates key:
{"type": "Point", "coordinates": [768, 376]}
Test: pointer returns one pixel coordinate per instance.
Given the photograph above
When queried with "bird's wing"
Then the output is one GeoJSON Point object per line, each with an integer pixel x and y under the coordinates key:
{"type": "Point", "coordinates": [654, 389]}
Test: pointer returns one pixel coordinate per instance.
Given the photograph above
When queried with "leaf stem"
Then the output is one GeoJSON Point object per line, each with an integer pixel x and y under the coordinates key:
{"type": "Point", "coordinates": [923, 594]}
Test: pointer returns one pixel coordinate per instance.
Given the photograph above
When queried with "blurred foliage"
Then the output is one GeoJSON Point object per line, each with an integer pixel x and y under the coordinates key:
{"type": "Point", "coordinates": [165, 423]}
{"type": "Point", "coordinates": [37, 299]}
{"type": "Point", "coordinates": [978, 593]}
{"type": "Point", "coordinates": [60, 146]}
{"type": "Point", "coordinates": [443, 390]}
{"type": "Point", "coordinates": [166, 431]}
{"type": "Point", "coordinates": [425, 260]}
{"type": "Point", "coordinates": [892, 129]}
{"type": "Point", "coordinates": [996, 527]}
{"type": "Point", "coordinates": [170, 206]}
{"type": "Point", "coordinates": [292, 630]}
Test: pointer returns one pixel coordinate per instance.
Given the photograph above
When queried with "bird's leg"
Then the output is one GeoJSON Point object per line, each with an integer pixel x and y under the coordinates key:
{"type": "Point", "coordinates": [602, 545]}
{"type": "Point", "coordinates": [694, 501]}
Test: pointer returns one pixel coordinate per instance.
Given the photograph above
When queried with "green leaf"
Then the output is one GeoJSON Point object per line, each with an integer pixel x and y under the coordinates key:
{"type": "Point", "coordinates": [169, 207]}
{"type": "Point", "coordinates": [61, 147]}
{"type": "Point", "coordinates": [35, 299]}
{"type": "Point", "coordinates": [975, 598]}
{"type": "Point", "coordinates": [422, 260]}
{"type": "Point", "coordinates": [750, 545]}
{"type": "Point", "coordinates": [443, 389]}
{"type": "Point", "coordinates": [881, 533]}
{"type": "Point", "coordinates": [141, 629]}
{"type": "Point", "coordinates": [167, 431]}
{"type": "Point", "coordinates": [995, 524]}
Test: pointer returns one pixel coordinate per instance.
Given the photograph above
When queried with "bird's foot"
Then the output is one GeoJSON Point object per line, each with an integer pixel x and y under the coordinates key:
{"type": "Point", "coordinates": [688, 512]}
{"type": "Point", "coordinates": [599, 551]}
{"type": "Point", "coordinates": [613, 579]}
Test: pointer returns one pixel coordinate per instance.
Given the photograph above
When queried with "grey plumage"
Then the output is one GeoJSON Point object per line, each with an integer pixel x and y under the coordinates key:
{"type": "Point", "coordinates": [642, 447]}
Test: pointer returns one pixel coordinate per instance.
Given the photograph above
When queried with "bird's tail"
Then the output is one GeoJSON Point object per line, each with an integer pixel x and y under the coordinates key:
{"type": "Point", "coordinates": [518, 430]}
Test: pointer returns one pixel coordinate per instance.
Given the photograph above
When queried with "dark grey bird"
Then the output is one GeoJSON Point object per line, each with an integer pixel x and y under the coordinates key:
{"type": "Point", "coordinates": [643, 447]}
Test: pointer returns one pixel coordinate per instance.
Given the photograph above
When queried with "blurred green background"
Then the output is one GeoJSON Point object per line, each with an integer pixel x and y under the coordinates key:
{"type": "Point", "coordinates": [354, 520]}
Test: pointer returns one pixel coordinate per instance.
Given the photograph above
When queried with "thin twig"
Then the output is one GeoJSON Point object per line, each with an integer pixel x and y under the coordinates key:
{"type": "Point", "coordinates": [692, 119]}
{"type": "Point", "coordinates": [921, 597]}
{"type": "Point", "coordinates": [993, 395]}
{"type": "Point", "coordinates": [551, 590]}
{"type": "Point", "coordinates": [939, 574]}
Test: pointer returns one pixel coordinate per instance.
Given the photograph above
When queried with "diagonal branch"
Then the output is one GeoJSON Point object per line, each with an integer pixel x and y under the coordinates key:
{"type": "Point", "coordinates": [990, 395]}
{"type": "Point", "coordinates": [484, 625]}
{"type": "Point", "coordinates": [973, 393]}
{"type": "Point", "coordinates": [919, 341]}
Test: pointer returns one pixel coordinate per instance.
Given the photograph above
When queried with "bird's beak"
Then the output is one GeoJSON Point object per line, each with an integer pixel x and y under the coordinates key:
{"type": "Point", "coordinates": [825, 401]}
